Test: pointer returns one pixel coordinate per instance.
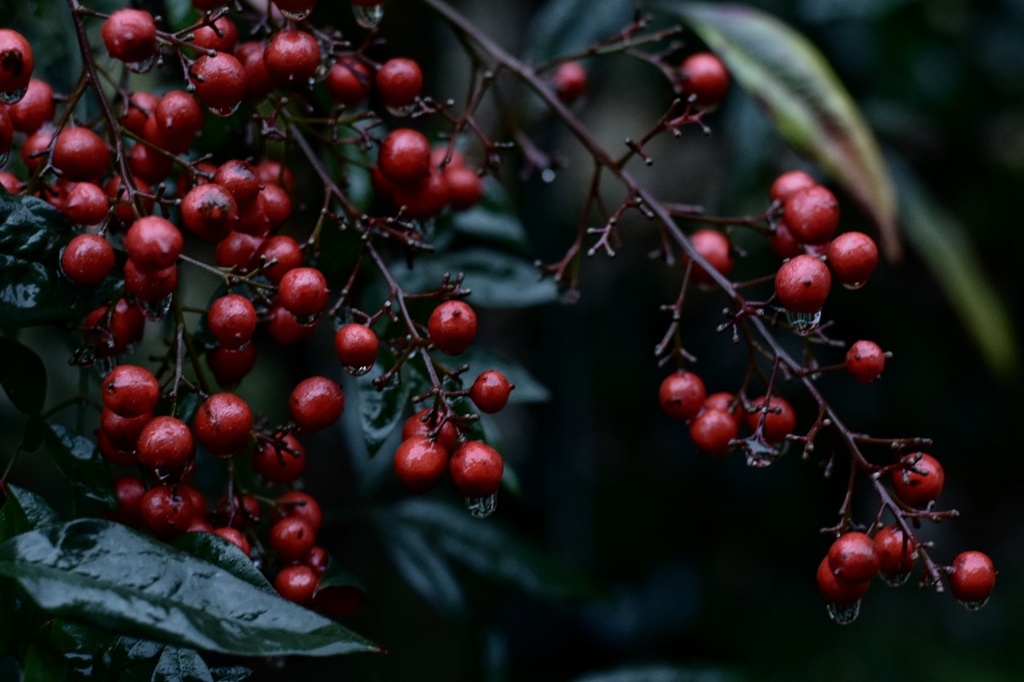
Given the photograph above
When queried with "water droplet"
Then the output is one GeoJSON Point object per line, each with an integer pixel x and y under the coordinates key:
{"type": "Point", "coordinates": [844, 614]}
{"type": "Point", "coordinates": [4, 156]}
{"type": "Point", "coordinates": [224, 112]}
{"type": "Point", "coordinates": [853, 286]}
{"type": "Point", "coordinates": [156, 310]}
{"type": "Point", "coordinates": [307, 320]}
{"type": "Point", "coordinates": [295, 16]}
{"type": "Point", "coordinates": [547, 175]}
{"type": "Point", "coordinates": [803, 323]}
{"type": "Point", "coordinates": [402, 112]}
{"type": "Point", "coordinates": [896, 580]}
{"type": "Point", "coordinates": [974, 605]}
{"type": "Point", "coordinates": [12, 96]}
{"type": "Point", "coordinates": [105, 366]}
{"type": "Point", "coordinates": [357, 371]}
{"type": "Point", "coordinates": [368, 17]}
{"type": "Point", "coordinates": [482, 507]}
{"type": "Point", "coordinates": [142, 67]}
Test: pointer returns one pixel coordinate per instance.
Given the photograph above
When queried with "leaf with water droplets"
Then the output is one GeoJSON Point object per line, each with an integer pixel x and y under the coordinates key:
{"type": "Point", "coordinates": [82, 463]}
{"type": "Point", "coordinates": [227, 555]}
{"type": "Point", "coordinates": [380, 411]}
{"type": "Point", "coordinates": [103, 574]}
{"type": "Point", "coordinates": [23, 511]}
{"type": "Point", "coordinates": [181, 665]}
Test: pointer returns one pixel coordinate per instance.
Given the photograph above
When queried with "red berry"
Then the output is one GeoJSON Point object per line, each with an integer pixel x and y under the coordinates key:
{"type": "Point", "coordinates": [258, 81]}
{"type": "Point", "coordinates": [404, 156]}
{"type": "Point", "coordinates": [81, 154]}
{"type": "Point", "coordinates": [465, 188]}
{"type": "Point", "coordinates": [920, 481]}
{"type": "Point", "coordinates": [356, 345]}
{"type": "Point", "coordinates": [222, 424]}
{"type": "Point", "coordinates": [238, 251]}
{"type": "Point", "coordinates": [115, 455]}
{"type": "Point", "coordinates": [853, 559]}
{"type": "Point", "coordinates": [209, 211]}
{"type": "Point", "coordinates": [240, 178]}
{"type": "Point", "coordinates": [570, 81]}
{"type": "Point", "coordinates": [303, 292]}
{"type": "Point", "coordinates": [865, 361]}
{"type": "Point", "coordinates": [123, 432]}
{"type": "Point", "coordinates": [86, 204]}
{"type": "Point", "coordinates": [300, 505]}
{"type": "Point", "coordinates": [852, 257]}
{"type": "Point", "coordinates": [16, 64]}
{"type": "Point", "coordinates": [681, 395]}
{"type": "Point", "coordinates": [399, 82]}
{"type": "Point", "coordinates": [34, 109]}
{"type": "Point", "coordinates": [291, 538]}
{"type": "Point", "coordinates": [149, 164]}
{"type": "Point", "coordinates": [789, 183]}
{"type": "Point", "coordinates": [349, 81]}
{"type": "Point", "coordinates": [726, 402]}
{"type": "Point", "coordinates": [420, 463]}
{"type": "Point", "coordinates": [231, 366]}
{"type": "Point", "coordinates": [716, 250]}
{"type": "Point", "coordinates": [896, 553]}
{"type": "Point", "coordinates": [277, 204]}
{"type": "Point", "coordinates": [282, 326]}
{"type": "Point", "coordinates": [165, 511]}
{"type": "Point", "coordinates": [711, 431]}
{"type": "Point", "coordinates": [239, 512]}
{"type": "Point", "coordinates": [779, 420]}
{"type": "Point", "coordinates": [137, 109]}
{"type": "Point", "coordinates": [284, 250]}
{"type": "Point", "coordinates": [130, 35]}
{"type": "Point", "coordinates": [452, 327]}
{"type": "Point", "coordinates": [490, 391]}
{"type": "Point", "coordinates": [802, 284]}
{"type": "Point", "coordinates": [130, 390]}
{"type": "Point", "coordinates": [153, 243]}
{"type": "Point", "coordinates": [318, 559]}
{"type": "Point", "coordinates": [422, 199]}
{"type": "Point", "coordinates": [280, 464]}
{"type": "Point", "coordinates": [232, 321]}
{"type": "Point", "coordinates": [235, 537]}
{"type": "Point", "coordinates": [705, 79]}
{"type": "Point", "coordinates": [87, 259]}
{"type": "Point", "coordinates": [421, 425]}
{"type": "Point", "coordinates": [973, 578]}
{"type": "Point", "coordinates": [149, 285]}
{"type": "Point", "coordinates": [111, 334]}
{"type": "Point", "coordinates": [275, 173]}
{"type": "Point", "coordinates": [296, 583]}
{"type": "Point", "coordinates": [129, 491]}
{"type": "Point", "coordinates": [292, 56]}
{"type": "Point", "coordinates": [316, 403]}
{"type": "Point", "coordinates": [223, 38]}
{"type": "Point", "coordinates": [838, 591]}
{"type": "Point", "coordinates": [219, 82]}
{"type": "Point", "coordinates": [177, 120]}
{"type": "Point", "coordinates": [812, 214]}
{"type": "Point", "coordinates": [165, 443]}
{"type": "Point", "coordinates": [476, 468]}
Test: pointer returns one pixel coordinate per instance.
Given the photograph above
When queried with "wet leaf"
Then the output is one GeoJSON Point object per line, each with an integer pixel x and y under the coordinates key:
{"type": "Point", "coordinates": [234, 673]}
{"type": "Point", "coordinates": [23, 511]}
{"type": "Point", "coordinates": [567, 26]}
{"type": "Point", "coordinates": [82, 463]}
{"type": "Point", "coordinates": [420, 563]}
{"type": "Point", "coordinates": [807, 104]}
{"type": "Point", "coordinates": [23, 376]}
{"type": "Point", "coordinates": [181, 665]}
{"type": "Point", "coordinates": [31, 228]}
{"type": "Point", "coordinates": [227, 555]}
{"type": "Point", "coordinates": [380, 411]}
{"type": "Point", "coordinates": [492, 219]}
{"type": "Point", "coordinates": [103, 574]}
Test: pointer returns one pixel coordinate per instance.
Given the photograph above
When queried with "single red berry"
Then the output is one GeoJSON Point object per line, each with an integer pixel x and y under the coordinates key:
{"type": "Point", "coordinates": [681, 395]}
{"type": "Point", "coordinates": [476, 468]}
{"type": "Point", "coordinates": [231, 366]}
{"type": "Point", "coordinates": [920, 480]}
{"type": "Point", "coordinates": [711, 431]}
{"type": "Point", "coordinates": [149, 285]}
{"type": "Point", "coordinates": [81, 154]}
{"type": "Point", "coordinates": [301, 505]}
{"type": "Point", "coordinates": [165, 443]}
{"type": "Point", "coordinates": [86, 204]}
{"type": "Point", "coordinates": [34, 109]}
{"type": "Point", "coordinates": [727, 402]}
{"type": "Point", "coordinates": [421, 424]}
{"type": "Point", "coordinates": [280, 464]}
{"type": "Point", "coordinates": [296, 583]}
{"type": "Point", "coordinates": [130, 390]}
{"type": "Point", "coordinates": [232, 321]}
{"type": "Point", "coordinates": [356, 345]}
{"type": "Point", "coordinates": [149, 164]}
{"type": "Point", "coordinates": [281, 250]}
{"type": "Point", "coordinates": [316, 403]}
{"type": "Point", "coordinates": [110, 332]}
{"type": "Point", "coordinates": [570, 81]}
{"type": "Point", "coordinates": [153, 243]}
{"type": "Point", "coordinates": [973, 578]}
{"type": "Point", "coordinates": [349, 81]}
{"type": "Point", "coordinates": [209, 211]}
{"type": "Point", "coordinates": [422, 199]}
{"type": "Point", "coordinates": [11, 184]}
{"type": "Point", "coordinates": [129, 491]}
{"type": "Point", "coordinates": [897, 553]}
{"type": "Point", "coordinates": [404, 156]}
{"type": "Point", "coordinates": [87, 259]}
{"type": "Point", "coordinates": [420, 463]}
{"type": "Point", "coordinates": [253, 218]}
{"type": "Point", "coordinates": [398, 82]}
{"type": "Point", "coordinates": [812, 214]}
{"type": "Point", "coordinates": [452, 327]}
{"type": "Point", "coordinates": [130, 35]}
{"type": "Point", "coordinates": [238, 251]}
{"type": "Point", "coordinates": [292, 56]}
{"type": "Point", "coordinates": [223, 423]}
{"type": "Point", "coordinates": [177, 120]}
{"type": "Point", "coordinates": [240, 178]}
{"type": "Point", "coordinates": [838, 591]}
{"type": "Point", "coordinates": [114, 454]}
{"type": "Point", "coordinates": [303, 292]}
{"type": "Point", "coordinates": [123, 432]}
{"type": "Point", "coordinates": [197, 501]}
{"type": "Point", "coordinates": [704, 79]}
{"type": "Point", "coordinates": [490, 391]}
{"type": "Point", "coordinates": [277, 205]}
{"type": "Point", "coordinates": [852, 558]}
{"type": "Point", "coordinates": [790, 183]}
{"type": "Point", "coordinates": [219, 82]}
{"type": "Point", "coordinates": [852, 257]}
{"type": "Point", "coordinates": [802, 284]}
{"type": "Point", "coordinates": [716, 250]}
{"type": "Point", "coordinates": [235, 537]}
{"type": "Point", "coordinates": [865, 361]}
{"type": "Point", "coordinates": [221, 37]}
{"type": "Point", "coordinates": [6, 132]}
{"type": "Point", "coordinates": [291, 538]}
{"type": "Point", "coordinates": [16, 63]}
{"type": "Point", "coordinates": [165, 511]}
{"type": "Point", "coordinates": [258, 81]}
{"type": "Point", "coordinates": [465, 188]}
{"type": "Point", "coordinates": [276, 173]}
{"type": "Point", "coordinates": [779, 419]}
{"type": "Point", "coordinates": [282, 326]}
{"type": "Point", "coordinates": [139, 107]}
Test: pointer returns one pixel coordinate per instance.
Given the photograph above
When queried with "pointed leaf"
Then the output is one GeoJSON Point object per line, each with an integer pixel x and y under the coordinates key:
{"type": "Point", "coordinates": [23, 511]}
{"type": "Point", "coordinates": [227, 555]}
{"type": "Point", "coordinates": [82, 463]}
{"type": "Point", "coordinates": [104, 574]}
{"type": "Point", "coordinates": [807, 104]}
{"type": "Point", "coordinates": [381, 411]}
{"type": "Point", "coordinates": [420, 563]}
{"type": "Point", "coordinates": [181, 665]}
{"type": "Point", "coordinates": [23, 376]}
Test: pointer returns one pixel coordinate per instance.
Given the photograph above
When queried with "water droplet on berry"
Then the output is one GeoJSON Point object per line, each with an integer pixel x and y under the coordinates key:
{"type": "Point", "coordinates": [156, 310]}
{"type": "Point", "coordinates": [357, 371]}
{"type": "Point", "coordinates": [224, 112]}
{"type": "Point", "coordinates": [295, 16]}
{"type": "Point", "coordinates": [12, 96]}
{"type": "Point", "coordinates": [142, 67]}
{"type": "Point", "coordinates": [402, 111]}
{"type": "Point", "coordinates": [974, 605]}
{"type": "Point", "coordinates": [482, 507]}
{"type": "Point", "coordinates": [803, 323]}
{"type": "Point", "coordinates": [844, 614]}
{"type": "Point", "coordinates": [368, 17]}
{"type": "Point", "coordinates": [896, 580]}
{"type": "Point", "coordinates": [853, 286]}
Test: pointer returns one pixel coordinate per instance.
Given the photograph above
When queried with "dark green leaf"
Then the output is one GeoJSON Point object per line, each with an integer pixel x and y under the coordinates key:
{"type": "Point", "coordinates": [527, 388]}
{"type": "Point", "coordinates": [335, 576]}
{"type": "Point", "coordinates": [219, 551]}
{"type": "Point", "coordinates": [82, 463]}
{"type": "Point", "coordinates": [31, 294]}
{"type": "Point", "coordinates": [234, 673]}
{"type": "Point", "coordinates": [492, 219]}
{"type": "Point", "coordinates": [31, 228]}
{"type": "Point", "coordinates": [420, 563]}
{"type": "Point", "coordinates": [42, 664]}
{"type": "Point", "coordinates": [807, 104]}
{"type": "Point", "coordinates": [497, 280]}
{"type": "Point", "coordinates": [13, 618]}
{"type": "Point", "coordinates": [181, 665]}
{"type": "Point", "coordinates": [104, 574]}
{"type": "Point", "coordinates": [491, 550]}
{"type": "Point", "coordinates": [23, 376]}
{"type": "Point", "coordinates": [568, 26]}
{"type": "Point", "coordinates": [181, 14]}
{"type": "Point", "coordinates": [129, 650]}
{"type": "Point", "coordinates": [24, 511]}
{"type": "Point", "coordinates": [381, 411]}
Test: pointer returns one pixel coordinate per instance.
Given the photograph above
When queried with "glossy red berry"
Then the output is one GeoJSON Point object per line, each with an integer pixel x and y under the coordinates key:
{"type": "Point", "coordinates": [280, 464]}
{"type": "Point", "coordinates": [853, 558]}
{"type": "Point", "coordinates": [283, 252]}
{"type": "Point", "coordinates": [221, 37]}
{"type": "Point", "coordinates": [838, 591]}
{"type": "Point", "coordinates": [865, 361]}
{"type": "Point", "coordinates": [973, 578]}
{"type": "Point", "coordinates": [398, 82]}
{"type": "Point", "coordinates": [421, 424]}
{"type": "Point", "coordinates": [490, 391]}
{"type": "Point", "coordinates": [110, 334]}
{"type": "Point", "coordinates": [316, 403]}
{"type": "Point", "coordinates": [130, 35]}
{"type": "Point", "coordinates": [301, 505]}
{"type": "Point", "coordinates": [292, 56]}
{"type": "Point", "coordinates": [570, 81]}
{"type": "Point", "coordinates": [86, 204]}
{"type": "Point", "coordinates": [35, 109]}
{"type": "Point", "coordinates": [219, 82]}
{"type": "Point", "coordinates": [716, 250]}
{"type": "Point", "coordinates": [318, 559]}
{"type": "Point", "coordinates": [452, 327]}
{"type": "Point", "coordinates": [115, 454]}
{"type": "Point", "coordinates": [420, 463]}
{"type": "Point", "coordinates": [240, 178]}
{"type": "Point", "coordinates": [802, 284]}
{"type": "Point", "coordinates": [681, 395]}
{"type": "Point", "coordinates": [920, 481]}
{"type": "Point", "coordinates": [235, 537]}
{"type": "Point", "coordinates": [727, 402]}
{"type": "Point", "coordinates": [258, 81]}
{"type": "Point", "coordinates": [790, 183]}
{"type": "Point", "coordinates": [165, 443]}
{"type": "Point", "coordinates": [177, 120]}
{"type": "Point", "coordinates": [277, 204]}
{"type": "Point", "coordinates": [779, 419]}
{"type": "Point", "coordinates": [232, 321]}
{"type": "Point", "coordinates": [275, 173]}
{"type": "Point", "coordinates": [81, 154]}
{"type": "Point", "coordinates": [123, 432]}
{"type": "Point", "coordinates": [149, 285]}
{"type": "Point", "coordinates": [87, 259]}
{"type": "Point", "coordinates": [209, 211]}
{"type": "Point", "coordinates": [356, 345]}
{"type": "Point", "coordinates": [130, 390]}
{"type": "Point", "coordinates": [239, 511]}
{"type": "Point", "coordinates": [349, 81]}
{"type": "Point", "coordinates": [711, 431]}
{"type": "Point", "coordinates": [222, 424]}
{"type": "Point", "coordinates": [153, 243]}
{"type": "Point", "coordinates": [897, 553]}
{"type": "Point", "coordinates": [231, 366]}
{"type": "Point", "coordinates": [404, 156]}
{"type": "Point", "coordinates": [291, 538]}
{"type": "Point", "coordinates": [165, 511]}
{"type": "Point", "coordinates": [852, 257]}
{"type": "Point", "coordinates": [238, 251]}
{"type": "Point", "coordinates": [129, 491]}
{"type": "Point", "coordinates": [16, 63]}
{"type": "Point", "coordinates": [283, 328]}
{"type": "Point", "coordinates": [303, 292]}
{"type": "Point", "coordinates": [705, 79]}
{"type": "Point", "coordinates": [422, 199]}
{"type": "Point", "coordinates": [296, 583]}
{"type": "Point", "coordinates": [465, 188]}
{"type": "Point", "coordinates": [476, 468]}
{"type": "Point", "coordinates": [812, 214]}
